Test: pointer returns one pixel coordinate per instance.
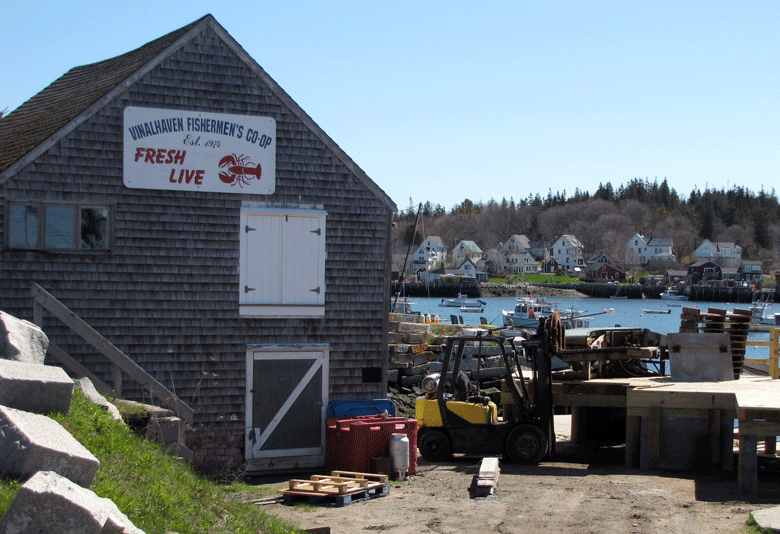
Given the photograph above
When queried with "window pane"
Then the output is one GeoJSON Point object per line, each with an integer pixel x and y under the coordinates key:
{"type": "Point", "coordinates": [59, 227]}
{"type": "Point", "coordinates": [94, 228]}
{"type": "Point", "coordinates": [23, 232]}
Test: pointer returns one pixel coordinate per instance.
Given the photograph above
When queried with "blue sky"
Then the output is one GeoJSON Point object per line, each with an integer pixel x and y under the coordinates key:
{"type": "Point", "coordinates": [444, 101]}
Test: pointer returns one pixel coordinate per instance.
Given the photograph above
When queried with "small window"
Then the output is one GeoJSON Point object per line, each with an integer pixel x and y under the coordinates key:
{"type": "Point", "coordinates": [58, 227]}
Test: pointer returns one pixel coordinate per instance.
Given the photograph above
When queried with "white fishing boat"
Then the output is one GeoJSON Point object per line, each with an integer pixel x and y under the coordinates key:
{"type": "Point", "coordinates": [528, 311]}
{"type": "Point", "coordinates": [403, 305]}
{"type": "Point", "coordinates": [572, 318]}
{"type": "Point", "coordinates": [462, 301]}
{"type": "Point", "coordinates": [671, 294]}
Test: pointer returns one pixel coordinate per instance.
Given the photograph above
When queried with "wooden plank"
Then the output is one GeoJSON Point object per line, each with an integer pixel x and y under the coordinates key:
{"type": "Point", "coordinates": [758, 428]}
{"type": "Point", "coordinates": [747, 471]}
{"type": "Point", "coordinates": [633, 439]}
{"type": "Point", "coordinates": [766, 414]}
{"type": "Point", "coordinates": [378, 477]}
{"type": "Point", "coordinates": [611, 401]}
{"type": "Point", "coordinates": [681, 399]}
{"type": "Point", "coordinates": [649, 455]}
{"type": "Point", "coordinates": [713, 427]}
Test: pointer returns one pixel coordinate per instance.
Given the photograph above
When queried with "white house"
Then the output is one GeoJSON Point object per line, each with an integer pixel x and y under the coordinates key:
{"type": "Point", "coordinates": [431, 253]}
{"type": "Point", "coordinates": [725, 254]}
{"type": "Point", "coordinates": [516, 243]}
{"type": "Point", "coordinates": [568, 251]}
{"type": "Point", "coordinates": [432, 247]}
{"type": "Point", "coordinates": [466, 250]}
{"type": "Point", "coordinates": [640, 251]}
{"type": "Point", "coordinates": [491, 259]}
{"type": "Point", "coordinates": [470, 269]}
{"type": "Point", "coordinates": [521, 263]}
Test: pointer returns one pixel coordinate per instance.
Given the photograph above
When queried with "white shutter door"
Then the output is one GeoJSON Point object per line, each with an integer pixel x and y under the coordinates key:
{"type": "Point", "coordinates": [261, 259]}
{"type": "Point", "coordinates": [282, 266]}
{"type": "Point", "coordinates": [303, 265]}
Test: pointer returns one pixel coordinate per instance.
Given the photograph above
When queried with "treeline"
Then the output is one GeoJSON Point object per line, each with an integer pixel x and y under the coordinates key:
{"type": "Point", "coordinates": [605, 220]}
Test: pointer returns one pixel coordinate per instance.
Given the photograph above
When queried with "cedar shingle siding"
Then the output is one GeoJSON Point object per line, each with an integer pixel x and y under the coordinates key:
{"type": "Point", "coordinates": [167, 291]}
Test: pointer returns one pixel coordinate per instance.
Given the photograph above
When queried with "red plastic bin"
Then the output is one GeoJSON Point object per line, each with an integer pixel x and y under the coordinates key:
{"type": "Point", "coordinates": [350, 443]}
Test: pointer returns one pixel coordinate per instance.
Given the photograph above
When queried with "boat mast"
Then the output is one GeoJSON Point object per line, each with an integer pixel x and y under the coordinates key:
{"type": "Point", "coordinates": [406, 259]}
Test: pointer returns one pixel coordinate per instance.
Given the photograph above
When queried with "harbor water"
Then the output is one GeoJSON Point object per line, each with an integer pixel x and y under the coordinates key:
{"type": "Point", "coordinates": [627, 313]}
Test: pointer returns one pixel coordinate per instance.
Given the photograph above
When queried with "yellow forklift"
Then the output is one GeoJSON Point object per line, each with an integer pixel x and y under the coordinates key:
{"type": "Point", "coordinates": [455, 416]}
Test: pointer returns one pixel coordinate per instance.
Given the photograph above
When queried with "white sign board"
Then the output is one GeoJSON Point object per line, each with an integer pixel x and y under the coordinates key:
{"type": "Point", "coordinates": [195, 151]}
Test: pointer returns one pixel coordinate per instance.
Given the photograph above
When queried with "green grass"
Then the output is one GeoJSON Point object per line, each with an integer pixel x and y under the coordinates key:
{"type": "Point", "coordinates": [158, 492]}
{"type": "Point", "coordinates": [753, 528]}
{"type": "Point", "coordinates": [536, 279]}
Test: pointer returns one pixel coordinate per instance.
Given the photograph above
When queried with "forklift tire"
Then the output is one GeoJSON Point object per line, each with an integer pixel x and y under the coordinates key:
{"type": "Point", "coordinates": [435, 446]}
{"type": "Point", "coordinates": [526, 444]}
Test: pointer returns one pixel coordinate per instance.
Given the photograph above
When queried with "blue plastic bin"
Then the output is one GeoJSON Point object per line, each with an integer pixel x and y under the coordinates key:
{"type": "Point", "coordinates": [341, 409]}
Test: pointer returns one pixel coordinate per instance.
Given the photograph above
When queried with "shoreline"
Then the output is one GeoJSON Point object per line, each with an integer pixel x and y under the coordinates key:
{"type": "Point", "coordinates": [500, 290]}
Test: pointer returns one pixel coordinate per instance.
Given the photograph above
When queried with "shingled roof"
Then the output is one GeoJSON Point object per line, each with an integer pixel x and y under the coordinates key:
{"type": "Point", "coordinates": [35, 125]}
{"type": "Point", "coordinates": [74, 92]}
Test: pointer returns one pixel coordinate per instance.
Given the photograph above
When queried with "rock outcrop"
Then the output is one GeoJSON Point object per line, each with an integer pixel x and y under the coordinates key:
{"type": "Point", "coordinates": [48, 502]}
{"type": "Point", "coordinates": [21, 340]}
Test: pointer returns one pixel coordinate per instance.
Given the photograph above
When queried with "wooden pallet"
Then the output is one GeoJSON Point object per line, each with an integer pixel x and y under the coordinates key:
{"type": "Point", "coordinates": [338, 489]}
{"type": "Point", "coordinates": [736, 324]}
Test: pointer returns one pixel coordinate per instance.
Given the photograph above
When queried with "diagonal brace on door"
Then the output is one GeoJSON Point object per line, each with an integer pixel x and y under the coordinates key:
{"type": "Point", "coordinates": [258, 445]}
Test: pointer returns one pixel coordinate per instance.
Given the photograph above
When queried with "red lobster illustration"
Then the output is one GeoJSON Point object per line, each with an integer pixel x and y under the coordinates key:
{"type": "Point", "coordinates": [239, 170]}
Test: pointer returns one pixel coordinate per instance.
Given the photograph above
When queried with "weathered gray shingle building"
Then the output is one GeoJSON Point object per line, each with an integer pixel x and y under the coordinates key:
{"type": "Point", "coordinates": [182, 204]}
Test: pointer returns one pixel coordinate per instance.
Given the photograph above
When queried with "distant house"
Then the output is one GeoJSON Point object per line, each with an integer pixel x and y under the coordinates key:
{"type": "Point", "coordinates": [750, 271]}
{"type": "Point", "coordinates": [729, 274]}
{"type": "Point", "coordinates": [432, 276]}
{"type": "Point", "coordinates": [466, 250]}
{"type": "Point", "coordinates": [470, 269]}
{"type": "Point", "coordinates": [726, 254]}
{"type": "Point", "coordinates": [540, 250]}
{"type": "Point", "coordinates": [521, 263]}
{"type": "Point", "coordinates": [641, 251]}
{"type": "Point", "coordinates": [704, 270]}
{"type": "Point", "coordinates": [490, 261]}
{"type": "Point", "coordinates": [601, 268]}
{"type": "Point", "coordinates": [516, 243]}
{"type": "Point", "coordinates": [551, 266]}
{"type": "Point", "coordinates": [602, 271]}
{"type": "Point", "coordinates": [569, 252]}
{"type": "Point", "coordinates": [432, 247]}
{"type": "Point", "coordinates": [672, 277]}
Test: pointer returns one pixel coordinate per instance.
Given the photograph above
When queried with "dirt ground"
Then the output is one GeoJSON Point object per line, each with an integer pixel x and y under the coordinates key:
{"type": "Point", "coordinates": [579, 490]}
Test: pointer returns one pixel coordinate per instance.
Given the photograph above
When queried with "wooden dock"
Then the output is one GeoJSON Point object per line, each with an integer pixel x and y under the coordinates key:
{"type": "Point", "coordinates": [655, 405]}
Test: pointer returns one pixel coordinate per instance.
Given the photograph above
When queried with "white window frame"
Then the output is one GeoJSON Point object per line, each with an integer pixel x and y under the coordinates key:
{"type": "Point", "coordinates": [282, 253]}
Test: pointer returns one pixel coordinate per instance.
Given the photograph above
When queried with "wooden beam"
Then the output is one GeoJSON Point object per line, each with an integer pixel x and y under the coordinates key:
{"type": "Point", "coordinates": [91, 336]}
{"type": "Point", "coordinates": [76, 368]}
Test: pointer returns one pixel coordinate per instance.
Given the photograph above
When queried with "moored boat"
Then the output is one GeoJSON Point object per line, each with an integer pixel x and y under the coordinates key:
{"type": "Point", "coordinates": [528, 311]}
{"type": "Point", "coordinates": [462, 301]}
{"type": "Point", "coordinates": [403, 305]}
{"type": "Point", "coordinates": [671, 294]}
{"type": "Point", "coordinates": [657, 311]}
